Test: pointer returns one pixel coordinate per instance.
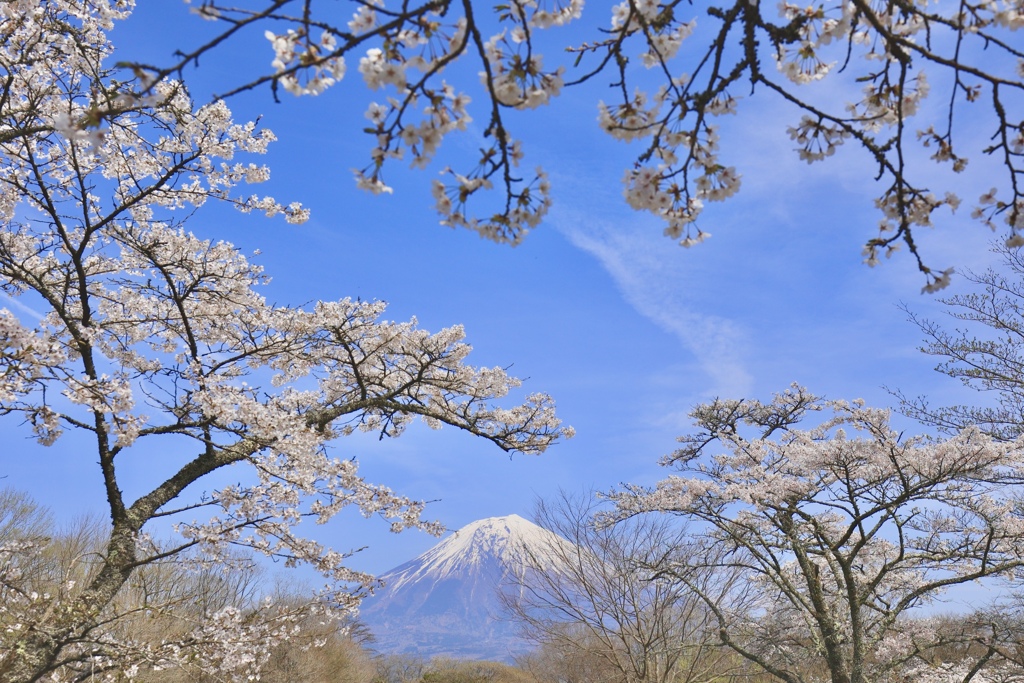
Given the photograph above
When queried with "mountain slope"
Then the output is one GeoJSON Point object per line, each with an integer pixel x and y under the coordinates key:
{"type": "Point", "coordinates": [445, 602]}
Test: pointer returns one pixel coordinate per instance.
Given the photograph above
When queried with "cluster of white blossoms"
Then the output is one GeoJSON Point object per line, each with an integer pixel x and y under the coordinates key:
{"type": "Point", "coordinates": [365, 18]}
{"type": "Point", "coordinates": [817, 139]}
{"type": "Point", "coordinates": [664, 44]}
{"type": "Point", "coordinates": [416, 118]}
{"type": "Point", "coordinates": [187, 625]}
{"type": "Point", "coordinates": [957, 672]}
{"type": "Point", "coordinates": [541, 15]}
{"type": "Point", "coordinates": [886, 104]}
{"type": "Point", "coordinates": [18, 606]}
{"type": "Point", "coordinates": [524, 210]}
{"type": "Point", "coordinates": [943, 148]}
{"type": "Point", "coordinates": [378, 71]}
{"type": "Point", "coordinates": [22, 353]}
{"type": "Point", "coordinates": [902, 206]}
{"type": "Point", "coordinates": [817, 27]}
{"type": "Point", "coordinates": [632, 120]}
{"type": "Point", "coordinates": [225, 643]}
{"type": "Point", "coordinates": [803, 65]}
{"type": "Point", "coordinates": [304, 66]}
{"type": "Point", "coordinates": [990, 206]}
{"type": "Point", "coordinates": [631, 17]}
{"type": "Point", "coordinates": [516, 79]}
{"type": "Point", "coordinates": [665, 189]}
{"type": "Point", "coordinates": [445, 113]}
{"type": "Point", "coordinates": [659, 189]}
{"type": "Point", "coordinates": [134, 141]}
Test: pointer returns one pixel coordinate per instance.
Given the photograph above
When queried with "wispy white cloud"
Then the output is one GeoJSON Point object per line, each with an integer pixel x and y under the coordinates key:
{"type": "Point", "coordinates": [27, 310]}
{"type": "Point", "coordinates": [659, 286]}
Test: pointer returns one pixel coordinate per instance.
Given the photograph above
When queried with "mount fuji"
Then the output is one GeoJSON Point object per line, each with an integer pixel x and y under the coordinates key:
{"type": "Point", "coordinates": [446, 601]}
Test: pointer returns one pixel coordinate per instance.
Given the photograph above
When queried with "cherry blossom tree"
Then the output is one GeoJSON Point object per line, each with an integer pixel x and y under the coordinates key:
{"type": "Point", "coordinates": [151, 340]}
{"type": "Point", "coordinates": [981, 646]}
{"type": "Point", "coordinates": [888, 55]}
{"type": "Point", "coordinates": [985, 351]}
{"type": "Point", "coordinates": [843, 528]}
{"type": "Point", "coordinates": [164, 622]}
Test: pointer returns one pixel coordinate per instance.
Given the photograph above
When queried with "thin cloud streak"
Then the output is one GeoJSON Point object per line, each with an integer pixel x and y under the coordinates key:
{"type": "Point", "coordinates": [656, 286]}
{"type": "Point", "coordinates": [31, 312]}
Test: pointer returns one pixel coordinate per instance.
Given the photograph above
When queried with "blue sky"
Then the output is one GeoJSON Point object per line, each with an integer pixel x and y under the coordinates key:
{"type": "Point", "coordinates": [624, 328]}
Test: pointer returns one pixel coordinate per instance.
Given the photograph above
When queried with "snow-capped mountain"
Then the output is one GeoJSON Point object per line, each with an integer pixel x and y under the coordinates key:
{"type": "Point", "coordinates": [445, 602]}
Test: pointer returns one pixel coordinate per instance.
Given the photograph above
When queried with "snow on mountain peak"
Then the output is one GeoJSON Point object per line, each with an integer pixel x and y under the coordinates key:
{"type": "Point", "coordinates": [447, 601]}
{"type": "Point", "coordinates": [479, 544]}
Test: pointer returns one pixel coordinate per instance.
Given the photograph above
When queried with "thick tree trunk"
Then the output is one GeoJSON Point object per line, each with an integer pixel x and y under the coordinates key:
{"type": "Point", "coordinates": [44, 642]}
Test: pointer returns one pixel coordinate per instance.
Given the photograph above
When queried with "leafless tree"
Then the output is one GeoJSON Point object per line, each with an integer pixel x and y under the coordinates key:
{"type": "Point", "coordinates": [599, 591]}
{"type": "Point", "coordinates": [983, 347]}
